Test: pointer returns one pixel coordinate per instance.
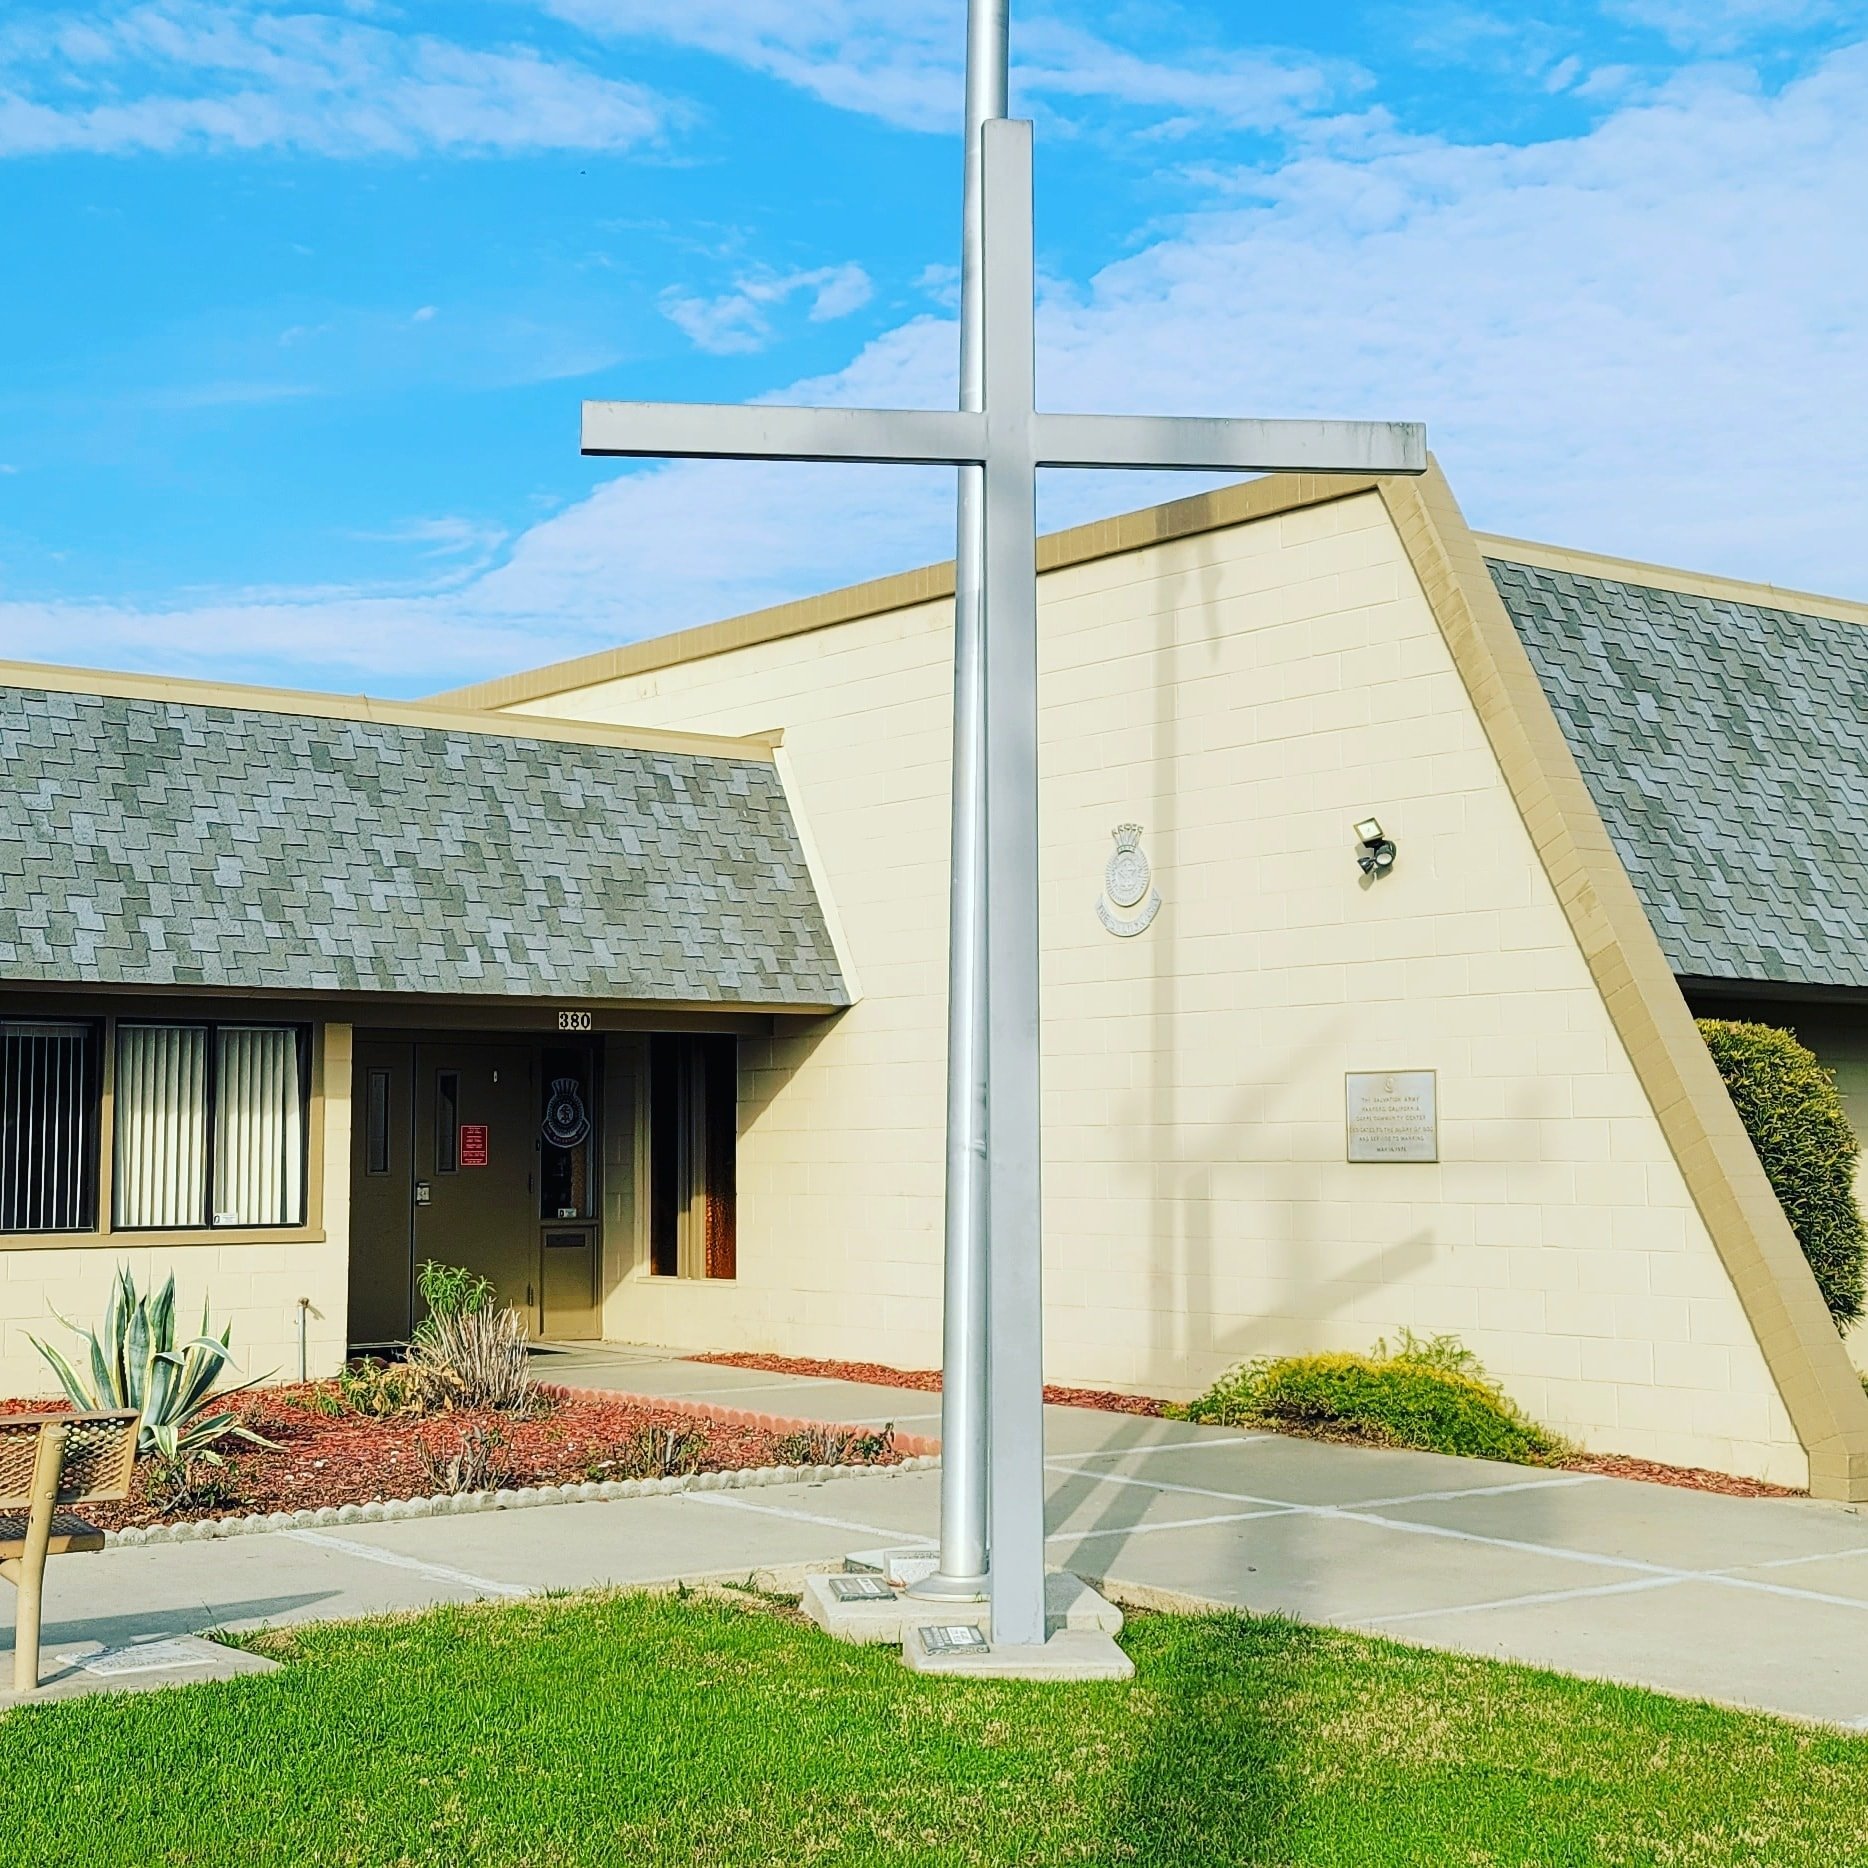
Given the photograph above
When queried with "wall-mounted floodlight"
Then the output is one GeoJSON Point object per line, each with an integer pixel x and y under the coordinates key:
{"type": "Point", "coordinates": [1378, 850]}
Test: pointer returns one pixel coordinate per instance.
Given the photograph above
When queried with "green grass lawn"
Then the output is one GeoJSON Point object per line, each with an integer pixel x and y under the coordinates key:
{"type": "Point", "coordinates": [628, 1730]}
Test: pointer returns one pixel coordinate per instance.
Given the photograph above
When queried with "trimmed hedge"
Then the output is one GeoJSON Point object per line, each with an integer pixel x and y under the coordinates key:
{"type": "Point", "coordinates": [1430, 1395]}
{"type": "Point", "coordinates": [1793, 1113]}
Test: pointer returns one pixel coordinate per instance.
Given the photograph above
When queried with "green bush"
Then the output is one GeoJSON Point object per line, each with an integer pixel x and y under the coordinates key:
{"type": "Point", "coordinates": [451, 1291]}
{"type": "Point", "coordinates": [1428, 1394]}
{"type": "Point", "coordinates": [1791, 1110]}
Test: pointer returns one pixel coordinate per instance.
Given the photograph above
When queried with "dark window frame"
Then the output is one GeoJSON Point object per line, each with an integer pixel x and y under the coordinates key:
{"type": "Point", "coordinates": [213, 1027]}
{"type": "Point", "coordinates": [378, 1078]}
{"type": "Point", "coordinates": [91, 1130]}
{"type": "Point", "coordinates": [447, 1122]}
{"type": "Point", "coordinates": [693, 1156]}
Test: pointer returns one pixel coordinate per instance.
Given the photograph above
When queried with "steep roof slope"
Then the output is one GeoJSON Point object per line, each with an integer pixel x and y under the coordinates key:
{"type": "Point", "coordinates": [1726, 746]}
{"type": "Point", "coordinates": [146, 841]}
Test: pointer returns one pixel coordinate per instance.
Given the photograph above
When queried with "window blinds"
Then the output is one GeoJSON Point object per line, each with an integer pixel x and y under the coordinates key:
{"type": "Point", "coordinates": [45, 1127]}
{"type": "Point", "coordinates": [161, 1159]}
{"type": "Point", "coordinates": [259, 1128]}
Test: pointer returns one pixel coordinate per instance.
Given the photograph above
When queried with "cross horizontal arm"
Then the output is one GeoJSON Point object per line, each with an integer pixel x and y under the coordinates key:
{"type": "Point", "coordinates": [1196, 444]}
{"type": "Point", "coordinates": [724, 431]}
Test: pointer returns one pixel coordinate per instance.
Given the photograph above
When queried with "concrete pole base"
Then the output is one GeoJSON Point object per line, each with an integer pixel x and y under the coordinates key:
{"type": "Point", "coordinates": [939, 1588]}
{"type": "Point", "coordinates": [1070, 1604]}
{"type": "Point", "coordinates": [1070, 1654]}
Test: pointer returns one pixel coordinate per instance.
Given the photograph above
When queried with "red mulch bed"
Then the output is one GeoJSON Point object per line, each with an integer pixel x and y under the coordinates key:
{"type": "Point", "coordinates": [879, 1375]}
{"type": "Point", "coordinates": [1608, 1465]}
{"type": "Point", "coordinates": [1693, 1478]}
{"type": "Point", "coordinates": [349, 1459]}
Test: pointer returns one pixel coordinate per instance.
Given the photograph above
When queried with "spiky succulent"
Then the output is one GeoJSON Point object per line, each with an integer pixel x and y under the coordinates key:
{"type": "Point", "coordinates": [135, 1362]}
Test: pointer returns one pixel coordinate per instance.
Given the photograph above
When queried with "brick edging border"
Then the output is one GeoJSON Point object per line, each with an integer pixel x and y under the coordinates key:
{"type": "Point", "coordinates": [922, 1454]}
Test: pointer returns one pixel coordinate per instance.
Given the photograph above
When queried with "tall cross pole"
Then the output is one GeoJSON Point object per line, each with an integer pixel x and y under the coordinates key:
{"type": "Point", "coordinates": [964, 1431]}
{"type": "Point", "coordinates": [1008, 440]}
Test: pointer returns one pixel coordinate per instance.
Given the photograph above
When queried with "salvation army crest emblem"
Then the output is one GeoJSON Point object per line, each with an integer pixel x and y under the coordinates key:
{"type": "Point", "coordinates": [1130, 899]}
{"type": "Point", "coordinates": [566, 1120]}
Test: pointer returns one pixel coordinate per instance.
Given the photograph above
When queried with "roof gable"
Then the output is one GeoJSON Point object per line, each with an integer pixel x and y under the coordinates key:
{"type": "Point", "coordinates": [154, 842]}
{"type": "Point", "coordinates": [1726, 745]}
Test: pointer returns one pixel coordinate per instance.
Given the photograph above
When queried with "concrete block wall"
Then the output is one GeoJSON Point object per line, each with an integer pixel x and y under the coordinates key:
{"type": "Point", "coordinates": [1246, 695]}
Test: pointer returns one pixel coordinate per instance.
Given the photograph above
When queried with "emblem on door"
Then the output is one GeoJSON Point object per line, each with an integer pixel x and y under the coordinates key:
{"type": "Point", "coordinates": [566, 1120]}
{"type": "Point", "coordinates": [422, 1193]}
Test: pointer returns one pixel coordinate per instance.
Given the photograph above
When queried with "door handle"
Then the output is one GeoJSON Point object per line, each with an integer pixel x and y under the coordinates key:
{"type": "Point", "coordinates": [528, 1297]}
{"type": "Point", "coordinates": [422, 1193]}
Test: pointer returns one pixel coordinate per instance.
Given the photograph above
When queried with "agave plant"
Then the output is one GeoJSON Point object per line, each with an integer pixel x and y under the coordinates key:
{"type": "Point", "coordinates": [136, 1363]}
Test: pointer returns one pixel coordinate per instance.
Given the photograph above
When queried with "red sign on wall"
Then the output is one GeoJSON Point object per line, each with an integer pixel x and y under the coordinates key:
{"type": "Point", "coordinates": [473, 1148]}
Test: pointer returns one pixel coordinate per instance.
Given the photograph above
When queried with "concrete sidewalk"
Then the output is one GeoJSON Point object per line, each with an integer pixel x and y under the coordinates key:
{"type": "Point", "coordinates": [1756, 1602]}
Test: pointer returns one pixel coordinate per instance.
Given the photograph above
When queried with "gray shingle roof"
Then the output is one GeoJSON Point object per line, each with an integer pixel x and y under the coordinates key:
{"type": "Point", "coordinates": [158, 843]}
{"type": "Point", "coordinates": [1726, 746]}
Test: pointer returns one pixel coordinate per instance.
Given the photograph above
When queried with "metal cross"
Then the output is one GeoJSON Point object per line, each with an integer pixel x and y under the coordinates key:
{"type": "Point", "coordinates": [1007, 439]}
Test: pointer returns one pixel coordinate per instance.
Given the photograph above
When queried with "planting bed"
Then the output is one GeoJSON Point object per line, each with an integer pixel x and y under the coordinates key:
{"type": "Point", "coordinates": [927, 1381]}
{"type": "Point", "coordinates": [349, 1459]}
{"type": "Point", "coordinates": [1607, 1465]}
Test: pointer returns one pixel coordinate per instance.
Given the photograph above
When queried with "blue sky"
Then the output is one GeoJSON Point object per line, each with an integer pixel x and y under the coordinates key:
{"type": "Point", "coordinates": [300, 299]}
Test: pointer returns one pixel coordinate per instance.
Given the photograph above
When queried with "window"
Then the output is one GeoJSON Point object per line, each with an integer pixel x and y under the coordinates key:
{"type": "Point", "coordinates": [447, 1121]}
{"type": "Point", "coordinates": [210, 1126]}
{"type": "Point", "coordinates": [376, 1123]}
{"type": "Point", "coordinates": [48, 1127]}
{"type": "Point", "coordinates": [693, 1142]}
{"type": "Point", "coordinates": [566, 1182]}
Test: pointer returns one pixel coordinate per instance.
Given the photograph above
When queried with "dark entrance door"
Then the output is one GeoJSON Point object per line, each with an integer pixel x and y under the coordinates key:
{"type": "Point", "coordinates": [476, 1164]}
{"type": "Point", "coordinates": [382, 1182]}
{"type": "Point", "coordinates": [475, 1152]}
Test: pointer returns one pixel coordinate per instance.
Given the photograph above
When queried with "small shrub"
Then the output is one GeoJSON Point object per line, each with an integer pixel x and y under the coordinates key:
{"type": "Point", "coordinates": [391, 1391]}
{"type": "Point", "coordinates": [1793, 1113]}
{"type": "Point", "coordinates": [187, 1482]}
{"type": "Point", "coordinates": [474, 1464]}
{"type": "Point", "coordinates": [451, 1290]}
{"type": "Point", "coordinates": [654, 1453]}
{"type": "Point", "coordinates": [135, 1362]}
{"type": "Point", "coordinates": [834, 1446]}
{"type": "Point", "coordinates": [1430, 1395]}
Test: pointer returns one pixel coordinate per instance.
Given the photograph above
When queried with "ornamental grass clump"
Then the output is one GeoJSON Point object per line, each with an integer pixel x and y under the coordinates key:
{"type": "Point", "coordinates": [1792, 1111]}
{"type": "Point", "coordinates": [482, 1351]}
{"type": "Point", "coordinates": [1429, 1394]}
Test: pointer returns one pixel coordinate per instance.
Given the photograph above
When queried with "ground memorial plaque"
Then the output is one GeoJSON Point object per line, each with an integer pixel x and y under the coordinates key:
{"type": "Point", "coordinates": [954, 1639]}
{"type": "Point", "coordinates": [861, 1589]}
{"type": "Point", "coordinates": [1393, 1116]}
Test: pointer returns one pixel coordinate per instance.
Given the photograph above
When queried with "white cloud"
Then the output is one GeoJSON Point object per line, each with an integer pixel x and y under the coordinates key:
{"type": "Point", "coordinates": [1725, 25]}
{"type": "Point", "coordinates": [739, 322]}
{"type": "Point", "coordinates": [1644, 340]}
{"type": "Point", "coordinates": [1244, 90]}
{"type": "Point", "coordinates": [446, 536]}
{"type": "Point", "coordinates": [178, 75]}
{"type": "Point", "coordinates": [900, 60]}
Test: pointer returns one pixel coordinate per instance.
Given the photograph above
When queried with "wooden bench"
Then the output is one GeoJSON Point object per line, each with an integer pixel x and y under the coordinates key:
{"type": "Point", "coordinates": [48, 1461]}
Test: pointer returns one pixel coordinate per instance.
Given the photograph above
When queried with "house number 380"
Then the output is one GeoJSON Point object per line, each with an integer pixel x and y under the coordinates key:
{"type": "Point", "coordinates": [573, 1021]}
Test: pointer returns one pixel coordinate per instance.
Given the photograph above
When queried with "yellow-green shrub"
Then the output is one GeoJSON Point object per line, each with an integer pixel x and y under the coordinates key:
{"type": "Point", "coordinates": [1431, 1395]}
{"type": "Point", "coordinates": [1791, 1110]}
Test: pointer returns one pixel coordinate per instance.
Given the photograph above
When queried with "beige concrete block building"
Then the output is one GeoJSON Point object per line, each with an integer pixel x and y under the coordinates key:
{"type": "Point", "coordinates": [624, 980]}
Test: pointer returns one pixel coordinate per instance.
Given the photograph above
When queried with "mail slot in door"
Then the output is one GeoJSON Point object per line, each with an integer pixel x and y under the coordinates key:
{"type": "Point", "coordinates": [570, 1278]}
